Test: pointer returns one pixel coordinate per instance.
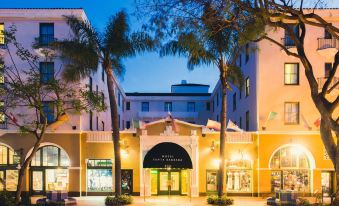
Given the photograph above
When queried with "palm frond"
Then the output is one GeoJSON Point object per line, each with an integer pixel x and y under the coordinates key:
{"type": "Point", "coordinates": [235, 76]}
{"type": "Point", "coordinates": [116, 36]}
{"type": "Point", "coordinates": [81, 59]}
{"type": "Point", "coordinates": [118, 67]}
{"type": "Point", "coordinates": [142, 41]}
{"type": "Point", "coordinates": [83, 31]}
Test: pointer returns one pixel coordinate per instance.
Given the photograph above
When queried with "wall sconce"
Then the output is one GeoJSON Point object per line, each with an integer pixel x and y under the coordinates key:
{"type": "Point", "coordinates": [123, 148]}
{"type": "Point", "coordinates": [213, 146]}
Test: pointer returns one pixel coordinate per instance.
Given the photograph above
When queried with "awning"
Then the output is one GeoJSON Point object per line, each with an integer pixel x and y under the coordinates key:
{"type": "Point", "coordinates": [167, 155]}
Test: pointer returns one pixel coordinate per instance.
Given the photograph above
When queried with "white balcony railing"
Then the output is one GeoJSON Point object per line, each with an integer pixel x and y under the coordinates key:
{"type": "Point", "coordinates": [99, 136]}
{"type": "Point", "coordinates": [239, 137]}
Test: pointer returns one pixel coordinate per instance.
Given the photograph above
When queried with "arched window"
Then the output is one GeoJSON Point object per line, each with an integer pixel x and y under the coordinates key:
{"type": "Point", "coordinates": [9, 161]}
{"type": "Point", "coordinates": [289, 158]}
{"type": "Point", "coordinates": [49, 170]}
{"type": "Point", "coordinates": [290, 169]}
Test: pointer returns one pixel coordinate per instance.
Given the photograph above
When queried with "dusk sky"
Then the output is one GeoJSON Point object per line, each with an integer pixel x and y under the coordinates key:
{"type": "Point", "coordinates": [144, 73]}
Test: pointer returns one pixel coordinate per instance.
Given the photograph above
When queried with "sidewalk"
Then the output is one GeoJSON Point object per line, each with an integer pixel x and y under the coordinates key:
{"type": "Point", "coordinates": [171, 201]}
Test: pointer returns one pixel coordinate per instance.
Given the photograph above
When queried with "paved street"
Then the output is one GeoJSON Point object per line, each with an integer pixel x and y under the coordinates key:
{"type": "Point", "coordinates": [172, 201]}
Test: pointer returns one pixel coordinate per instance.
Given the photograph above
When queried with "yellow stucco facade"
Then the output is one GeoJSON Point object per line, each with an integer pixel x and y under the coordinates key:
{"type": "Point", "coordinates": [256, 162]}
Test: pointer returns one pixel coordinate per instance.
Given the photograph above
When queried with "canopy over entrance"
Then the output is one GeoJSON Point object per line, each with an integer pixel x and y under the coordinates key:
{"type": "Point", "coordinates": [167, 155]}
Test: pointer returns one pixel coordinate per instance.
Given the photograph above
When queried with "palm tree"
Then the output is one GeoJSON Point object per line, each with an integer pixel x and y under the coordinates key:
{"type": "Point", "coordinates": [87, 49]}
{"type": "Point", "coordinates": [207, 44]}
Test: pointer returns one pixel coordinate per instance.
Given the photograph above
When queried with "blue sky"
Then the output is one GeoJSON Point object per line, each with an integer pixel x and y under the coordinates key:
{"type": "Point", "coordinates": [146, 72]}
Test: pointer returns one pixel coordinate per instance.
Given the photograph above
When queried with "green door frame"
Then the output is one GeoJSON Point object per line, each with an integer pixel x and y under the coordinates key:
{"type": "Point", "coordinates": [33, 192]}
{"type": "Point", "coordinates": [167, 192]}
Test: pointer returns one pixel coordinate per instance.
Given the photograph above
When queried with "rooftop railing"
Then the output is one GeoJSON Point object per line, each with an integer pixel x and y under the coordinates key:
{"type": "Point", "coordinates": [325, 43]}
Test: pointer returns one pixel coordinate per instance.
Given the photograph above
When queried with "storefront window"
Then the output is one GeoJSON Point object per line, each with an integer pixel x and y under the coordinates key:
{"type": "Point", "coordinates": [8, 169]}
{"type": "Point", "coordinates": [49, 170]}
{"type": "Point", "coordinates": [291, 170]}
{"type": "Point", "coordinates": [239, 176]}
{"type": "Point", "coordinates": [99, 175]}
{"type": "Point", "coordinates": [211, 180]}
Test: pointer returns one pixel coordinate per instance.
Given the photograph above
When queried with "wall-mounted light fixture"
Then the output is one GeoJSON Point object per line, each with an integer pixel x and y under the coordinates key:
{"type": "Point", "coordinates": [213, 146]}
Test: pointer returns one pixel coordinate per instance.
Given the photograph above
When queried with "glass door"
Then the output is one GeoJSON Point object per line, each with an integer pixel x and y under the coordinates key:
{"type": "Point", "coordinates": [2, 180]}
{"type": "Point", "coordinates": [37, 182]}
{"type": "Point", "coordinates": [326, 183]}
{"type": "Point", "coordinates": [127, 181]}
{"type": "Point", "coordinates": [163, 182]}
{"type": "Point", "coordinates": [154, 182]}
{"type": "Point", "coordinates": [175, 183]}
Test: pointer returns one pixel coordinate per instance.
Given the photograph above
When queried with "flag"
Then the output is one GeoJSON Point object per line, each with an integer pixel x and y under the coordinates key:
{"type": "Point", "coordinates": [272, 115]}
{"type": "Point", "coordinates": [231, 125]}
{"type": "Point", "coordinates": [317, 122]}
{"type": "Point", "coordinates": [12, 117]}
{"type": "Point", "coordinates": [60, 120]}
{"type": "Point", "coordinates": [174, 123]}
{"type": "Point", "coordinates": [213, 125]}
{"type": "Point", "coordinates": [306, 125]}
{"type": "Point", "coordinates": [137, 124]}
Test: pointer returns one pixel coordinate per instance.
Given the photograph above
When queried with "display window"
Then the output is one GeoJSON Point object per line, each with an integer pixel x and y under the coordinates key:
{"type": "Point", "coordinates": [9, 161]}
{"type": "Point", "coordinates": [239, 176]}
{"type": "Point", "coordinates": [99, 175]}
{"type": "Point", "coordinates": [211, 180]}
{"type": "Point", "coordinates": [290, 170]}
{"type": "Point", "coordinates": [49, 170]}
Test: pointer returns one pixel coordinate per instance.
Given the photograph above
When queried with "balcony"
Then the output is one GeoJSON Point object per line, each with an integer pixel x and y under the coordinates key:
{"type": "Point", "coordinates": [42, 45]}
{"type": "Point", "coordinates": [176, 115]}
{"type": "Point", "coordinates": [3, 125]}
{"type": "Point", "coordinates": [289, 44]}
{"type": "Point", "coordinates": [327, 47]}
{"type": "Point", "coordinates": [322, 80]}
{"type": "Point", "coordinates": [239, 137]}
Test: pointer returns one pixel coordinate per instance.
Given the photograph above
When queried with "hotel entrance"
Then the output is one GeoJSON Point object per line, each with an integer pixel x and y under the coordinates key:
{"type": "Point", "coordinates": [173, 182]}
{"type": "Point", "coordinates": [168, 165]}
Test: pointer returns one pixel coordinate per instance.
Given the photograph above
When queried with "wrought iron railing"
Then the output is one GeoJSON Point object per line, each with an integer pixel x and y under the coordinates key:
{"type": "Point", "coordinates": [46, 39]}
{"type": "Point", "coordinates": [3, 125]}
{"type": "Point", "coordinates": [322, 80]}
{"type": "Point", "coordinates": [288, 42]}
{"type": "Point", "coordinates": [324, 43]}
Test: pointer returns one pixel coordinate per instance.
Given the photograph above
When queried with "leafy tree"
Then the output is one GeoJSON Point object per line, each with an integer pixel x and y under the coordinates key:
{"type": "Point", "coordinates": [280, 15]}
{"type": "Point", "coordinates": [87, 49]}
{"type": "Point", "coordinates": [25, 93]}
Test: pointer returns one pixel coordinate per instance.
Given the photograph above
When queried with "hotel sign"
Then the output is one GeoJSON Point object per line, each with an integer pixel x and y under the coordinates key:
{"type": "Point", "coordinates": [167, 155]}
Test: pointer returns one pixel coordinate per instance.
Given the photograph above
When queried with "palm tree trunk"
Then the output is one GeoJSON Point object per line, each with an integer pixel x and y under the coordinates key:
{"type": "Point", "coordinates": [23, 169]}
{"type": "Point", "coordinates": [115, 129]}
{"type": "Point", "coordinates": [221, 171]}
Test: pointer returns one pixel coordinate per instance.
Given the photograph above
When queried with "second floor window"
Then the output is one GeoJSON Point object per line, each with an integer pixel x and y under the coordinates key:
{"type": "Point", "coordinates": [128, 105]}
{"type": "Point", "coordinates": [2, 115]}
{"type": "Point", "coordinates": [247, 120]}
{"type": "Point", "coordinates": [90, 120]}
{"type": "Point", "coordinates": [208, 106]}
{"type": "Point", "coordinates": [46, 72]}
{"type": "Point", "coordinates": [234, 101]}
{"type": "Point", "coordinates": [247, 86]}
{"type": "Point", "coordinates": [291, 112]}
{"type": "Point", "coordinates": [291, 74]}
{"type": "Point", "coordinates": [288, 41]}
{"type": "Point", "coordinates": [119, 99]}
{"type": "Point", "coordinates": [46, 33]}
{"type": "Point", "coordinates": [328, 68]}
{"type": "Point", "coordinates": [247, 53]}
{"type": "Point", "coordinates": [168, 107]}
{"type": "Point", "coordinates": [145, 106]}
{"type": "Point", "coordinates": [191, 106]}
{"type": "Point", "coordinates": [2, 74]}
{"type": "Point", "coordinates": [2, 34]}
{"type": "Point", "coordinates": [48, 111]}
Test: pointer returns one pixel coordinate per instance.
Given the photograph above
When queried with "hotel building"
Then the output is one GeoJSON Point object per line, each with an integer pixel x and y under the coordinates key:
{"type": "Point", "coordinates": [280, 149]}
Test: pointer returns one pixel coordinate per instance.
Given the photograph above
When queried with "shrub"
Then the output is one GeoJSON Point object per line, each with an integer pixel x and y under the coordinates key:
{"type": "Point", "coordinates": [7, 199]}
{"type": "Point", "coordinates": [215, 200]}
{"type": "Point", "coordinates": [118, 200]}
{"type": "Point", "coordinates": [303, 202]}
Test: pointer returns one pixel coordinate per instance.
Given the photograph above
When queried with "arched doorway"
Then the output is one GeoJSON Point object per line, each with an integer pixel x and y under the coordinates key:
{"type": "Point", "coordinates": [49, 170]}
{"type": "Point", "coordinates": [291, 167]}
{"type": "Point", "coordinates": [9, 162]}
{"type": "Point", "coordinates": [169, 164]}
